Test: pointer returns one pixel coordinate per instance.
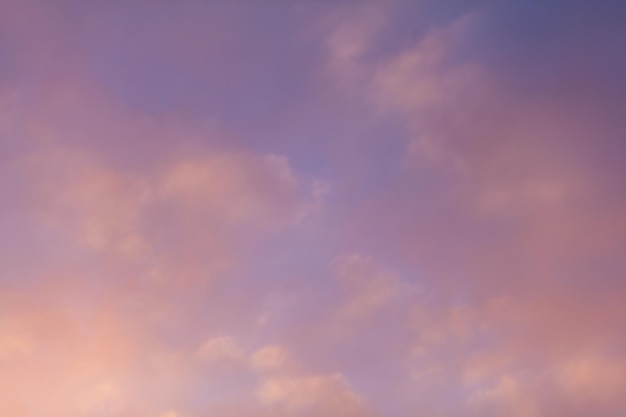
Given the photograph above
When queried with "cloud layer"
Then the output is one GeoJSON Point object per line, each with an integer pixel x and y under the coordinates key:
{"type": "Point", "coordinates": [377, 209]}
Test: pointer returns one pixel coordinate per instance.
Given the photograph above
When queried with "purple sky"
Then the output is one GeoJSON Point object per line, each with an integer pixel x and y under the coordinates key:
{"type": "Point", "coordinates": [391, 208]}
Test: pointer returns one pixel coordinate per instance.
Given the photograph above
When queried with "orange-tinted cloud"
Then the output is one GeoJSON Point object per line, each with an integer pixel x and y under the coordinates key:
{"type": "Point", "coordinates": [311, 209]}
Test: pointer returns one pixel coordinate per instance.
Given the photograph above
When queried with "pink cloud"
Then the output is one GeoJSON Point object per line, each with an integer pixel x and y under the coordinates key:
{"type": "Point", "coordinates": [353, 217]}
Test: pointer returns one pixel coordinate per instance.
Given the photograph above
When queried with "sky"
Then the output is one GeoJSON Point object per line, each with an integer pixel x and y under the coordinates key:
{"type": "Point", "coordinates": [392, 208]}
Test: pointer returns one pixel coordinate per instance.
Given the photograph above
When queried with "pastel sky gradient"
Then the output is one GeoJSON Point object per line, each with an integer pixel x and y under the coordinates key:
{"type": "Point", "coordinates": [312, 208]}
